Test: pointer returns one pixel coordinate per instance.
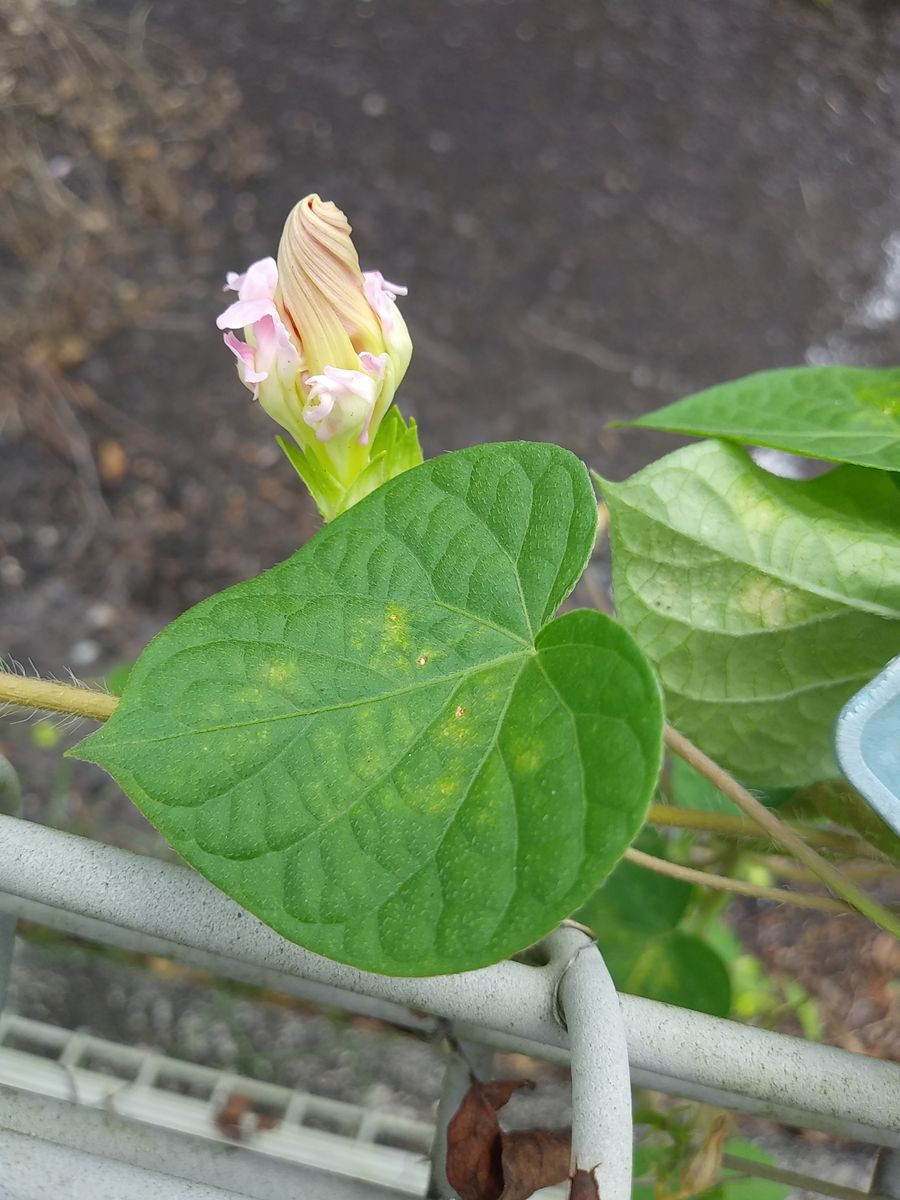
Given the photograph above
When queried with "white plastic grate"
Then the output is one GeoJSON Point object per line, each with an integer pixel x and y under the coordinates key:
{"type": "Point", "coordinates": [183, 1097]}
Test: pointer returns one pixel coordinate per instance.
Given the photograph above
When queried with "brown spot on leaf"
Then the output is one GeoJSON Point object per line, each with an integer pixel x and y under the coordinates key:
{"type": "Point", "coordinates": [460, 711]}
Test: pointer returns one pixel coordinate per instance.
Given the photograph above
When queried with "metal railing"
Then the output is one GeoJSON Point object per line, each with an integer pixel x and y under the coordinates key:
{"type": "Point", "coordinates": [562, 1009]}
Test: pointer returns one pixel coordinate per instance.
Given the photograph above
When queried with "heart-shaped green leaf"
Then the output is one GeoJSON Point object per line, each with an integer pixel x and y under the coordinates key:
{"type": "Point", "coordinates": [381, 747]}
{"type": "Point", "coordinates": [764, 603]}
{"type": "Point", "coordinates": [843, 414]}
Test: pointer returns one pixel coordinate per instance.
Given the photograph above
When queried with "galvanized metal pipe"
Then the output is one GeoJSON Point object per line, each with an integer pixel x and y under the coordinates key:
{"type": "Point", "coordinates": [7, 944]}
{"type": "Point", "coordinates": [816, 1086]}
{"type": "Point", "coordinates": [34, 1169]}
{"type": "Point", "coordinates": [76, 876]}
{"type": "Point", "coordinates": [602, 1132]}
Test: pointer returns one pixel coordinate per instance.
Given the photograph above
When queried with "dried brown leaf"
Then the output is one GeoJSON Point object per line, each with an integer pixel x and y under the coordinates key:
{"type": "Point", "coordinates": [584, 1186]}
{"type": "Point", "coordinates": [533, 1158]}
{"type": "Point", "coordinates": [230, 1116]}
{"type": "Point", "coordinates": [474, 1147]}
{"type": "Point", "coordinates": [705, 1165]}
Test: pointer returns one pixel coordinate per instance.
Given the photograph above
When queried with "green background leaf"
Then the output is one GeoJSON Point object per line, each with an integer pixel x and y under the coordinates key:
{"type": "Point", "coordinates": [380, 747]}
{"type": "Point", "coordinates": [843, 414]}
{"type": "Point", "coordinates": [741, 1187]}
{"type": "Point", "coordinates": [635, 900]}
{"type": "Point", "coordinates": [675, 968]}
{"type": "Point", "coordinates": [687, 788]}
{"type": "Point", "coordinates": [764, 603]}
{"type": "Point", "coordinates": [656, 1162]}
{"type": "Point", "coordinates": [635, 915]}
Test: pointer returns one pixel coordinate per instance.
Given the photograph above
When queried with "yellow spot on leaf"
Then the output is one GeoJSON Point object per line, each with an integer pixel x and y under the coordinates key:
{"type": "Point", "coordinates": [767, 601]}
{"type": "Point", "coordinates": [528, 762]}
{"type": "Point", "coordinates": [279, 672]}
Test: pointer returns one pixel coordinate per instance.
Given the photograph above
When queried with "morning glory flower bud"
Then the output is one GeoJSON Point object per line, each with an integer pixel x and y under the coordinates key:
{"type": "Point", "coordinates": [324, 349]}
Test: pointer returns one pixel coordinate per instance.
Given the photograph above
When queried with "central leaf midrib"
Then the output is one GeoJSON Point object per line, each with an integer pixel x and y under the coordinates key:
{"type": "Point", "coordinates": [851, 602]}
{"type": "Point", "coordinates": [299, 714]}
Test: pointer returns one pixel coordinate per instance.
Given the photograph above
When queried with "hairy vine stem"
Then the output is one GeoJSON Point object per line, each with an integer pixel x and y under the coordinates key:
{"type": "Point", "coordinates": [50, 696]}
{"type": "Point", "coordinates": [722, 883]}
{"type": "Point", "coordinates": [733, 825]}
{"type": "Point", "coordinates": [782, 834]}
{"type": "Point", "coordinates": [869, 872]}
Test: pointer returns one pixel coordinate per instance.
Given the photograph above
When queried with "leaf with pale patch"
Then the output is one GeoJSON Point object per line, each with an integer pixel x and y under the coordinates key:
{"type": "Point", "coordinates": [764, 603]}
{"type": "Point", "coordinates": [385, 747]}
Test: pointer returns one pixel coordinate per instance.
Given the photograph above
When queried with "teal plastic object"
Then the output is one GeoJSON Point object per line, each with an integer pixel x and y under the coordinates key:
{"type": "Point", "coordinates": [867, 741]}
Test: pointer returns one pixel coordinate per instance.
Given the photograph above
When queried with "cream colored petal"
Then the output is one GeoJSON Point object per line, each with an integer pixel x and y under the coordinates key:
{"type": "Point", "coordinates": [320, 287]}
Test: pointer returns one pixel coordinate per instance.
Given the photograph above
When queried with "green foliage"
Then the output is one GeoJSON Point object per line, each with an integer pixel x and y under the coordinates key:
{"type": "Point", "coordinates": [117, 678]}
{"type": "Point", "coordinates": [758, 996]}
{"type": "Point", "coordinates": [384, 747]}
{"type": "Point", "coordinates": [689, 789]}
{"type": "Point", "coordinates": [637, 901]}
{"type": "Point", "coordinates": [843, 414]}
{"type": "Point", "coordinates": [764, 603]}
{"type": "Point", "coordinates": [675, 968]}
{"type": "Point", "coordinates": [733, 1186]}
{"type": "Point", "coordinates": [635, 916]}
{"type": "Point", "coordinates": [658, 1168]}
{"type": "Point", "coordinates": [836, 800]}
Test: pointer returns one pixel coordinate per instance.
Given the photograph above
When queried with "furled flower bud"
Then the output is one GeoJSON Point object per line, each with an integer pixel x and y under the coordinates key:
{"type": "Point", "coordinates": [325, 348]}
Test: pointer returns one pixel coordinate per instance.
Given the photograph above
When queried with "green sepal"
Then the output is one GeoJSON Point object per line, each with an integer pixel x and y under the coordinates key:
{"type": "Point", "coordinates": [324, 490]}
{"type": "Point", "coordinates": [395, 449]}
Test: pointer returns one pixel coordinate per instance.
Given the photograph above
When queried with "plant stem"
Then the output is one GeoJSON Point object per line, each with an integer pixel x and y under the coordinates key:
{"type": "Point", "coordinates": [867, 872]}
{"type": "Point", "coordinates": [56, 697]}
{"type": "Point", "coordinates": [757, 1170]}
{"type": "Point", "coordinates": [780, 833]}
{"type": "Point", "coordinates": [721, 882]}
{"type": "Point", "coordinates": [669, 816]}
